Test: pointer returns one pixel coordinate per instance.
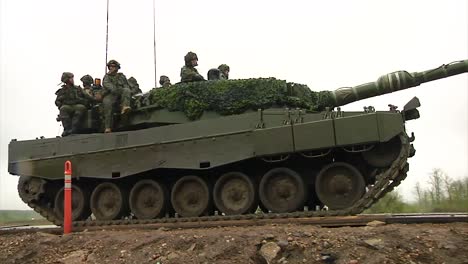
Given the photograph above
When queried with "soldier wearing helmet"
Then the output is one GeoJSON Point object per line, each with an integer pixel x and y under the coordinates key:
{"type": "Point", "coordinates": [164, 81]}
{"type": "Point", "coordinates": [116, 91]}
{"type": "Point", "coordinates": [224, 72]}
{"type": "Point", "coordinates": [71, 102]}
{"type": "Point", "coordinates": [87, 81]}
{"type": "Point", "coordinates": [90, 93]}
{"type": "Point", "coordinates": [188, 73]}
{"type": "Point", "coordinates": [134, 86]}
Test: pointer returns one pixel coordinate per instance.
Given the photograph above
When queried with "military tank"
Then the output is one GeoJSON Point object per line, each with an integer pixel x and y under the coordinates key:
{"type": "Point", "coordinates": [180, 156]}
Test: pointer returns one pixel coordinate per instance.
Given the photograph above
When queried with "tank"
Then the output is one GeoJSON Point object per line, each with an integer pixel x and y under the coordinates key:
{"type": "Point", "coordinates": [291, 153]}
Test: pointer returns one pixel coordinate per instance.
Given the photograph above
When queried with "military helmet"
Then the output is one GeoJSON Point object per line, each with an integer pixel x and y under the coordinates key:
{"type": "Point", "coordinates": [116, 63]}
{"type": "Point", "coordinates": [163, 79]}
{"type": "Point", "coordinates": [223, 67]}
{"type": "Point", "coordinates": [66, 76]}
{"type": "Point", "coordinates": [132, 81]}
{"type": "Point", "coordinates": [87, 79]}
{"type": "Point", "coordinates": [189, 57]}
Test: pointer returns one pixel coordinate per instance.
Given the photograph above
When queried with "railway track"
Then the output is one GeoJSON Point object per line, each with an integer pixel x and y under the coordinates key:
{"type": "Point", "coordinates": [328, 221]}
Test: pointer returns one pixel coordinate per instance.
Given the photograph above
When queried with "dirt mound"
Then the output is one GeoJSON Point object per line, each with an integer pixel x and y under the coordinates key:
{"type": "Point", "coordinates": [425, 243]}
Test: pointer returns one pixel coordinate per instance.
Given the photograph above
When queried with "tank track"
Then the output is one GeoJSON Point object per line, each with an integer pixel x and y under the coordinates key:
{"type": "Point", "coordinates": [386, 181]}
{"type": "Point", "coordinates": [46, 212]}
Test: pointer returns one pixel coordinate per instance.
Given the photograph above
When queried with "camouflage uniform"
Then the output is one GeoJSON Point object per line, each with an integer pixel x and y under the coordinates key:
{"type": "Point", "coordinates": [164, 81]}
{"type": "Point", "coordinates": [89, 92]}
{"type": "Point", "coordinates": [87, 81]}
{"type": "Point", "coordinates": [224, 72]}
{"type": "Point", "coordinates": [115, 90]}
{"type": "Point", "coordinates": [71, 102]}
{"type": "Point", "coordinates": [134, 86]}
{"type": "Point", "coordinates": [188, 73]}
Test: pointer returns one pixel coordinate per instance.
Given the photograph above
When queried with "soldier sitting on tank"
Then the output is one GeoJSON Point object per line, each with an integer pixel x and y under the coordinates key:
{"type": "Point", "coordinates": [90, 92]}
{"type": "Point", "coordinates": [188, 73]}
{"type": "Point", "coordinates": [164, 81]}
{"type": "Point", "coordinates": [116, 91]}
{"type": "Point", "coordinates": [224, 71]}
{"type": "Point", "coordinates": [221, 73]}
{"type": "Point", "coordinates": [87, 81]}
{"type": "Point", "coordinates": [71, 102]}
{"type": "Point", "coordinates": [134, 86]}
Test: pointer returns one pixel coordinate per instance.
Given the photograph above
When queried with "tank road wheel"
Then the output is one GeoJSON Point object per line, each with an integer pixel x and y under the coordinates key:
{"type": "Point", "coordinates": [282, 190]}
{"type": "Point", "coordinates": [339, 185]}
{"type": "Point", "coordinates": [80, 203]}
{"type": "Point", "coordinates": [108, 201]}
{"type": "Point", "coordinates": [190, 196]}
{"type": "Point", "coordinates": [383, 154]}
{"type": "Point", "coordinates": [234, 194]}
{"type": "Point", "coordinates": [148, 199]}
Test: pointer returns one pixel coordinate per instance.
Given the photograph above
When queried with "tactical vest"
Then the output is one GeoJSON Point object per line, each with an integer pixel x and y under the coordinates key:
{"type": "Point", "coordinates": [70, 95]}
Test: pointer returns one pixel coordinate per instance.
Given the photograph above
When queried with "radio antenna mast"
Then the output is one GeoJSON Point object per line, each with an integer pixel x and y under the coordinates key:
{"type": "Point", "coordinates": [154, 42]}
{"type": "Point", "coordinates": [107, 35]}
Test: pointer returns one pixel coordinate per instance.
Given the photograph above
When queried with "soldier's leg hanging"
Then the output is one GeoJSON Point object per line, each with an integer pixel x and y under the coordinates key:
{"type": "Point", "coordinates": [108, 103]}
{"type": "Point", "coordinates": [78, 112]}
{"type": "Point", "coordinates": [65, 116]}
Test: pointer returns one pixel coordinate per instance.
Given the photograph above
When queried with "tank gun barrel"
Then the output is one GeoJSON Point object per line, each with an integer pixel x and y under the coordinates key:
{"type": "Point", "coordinates": [396, 81]}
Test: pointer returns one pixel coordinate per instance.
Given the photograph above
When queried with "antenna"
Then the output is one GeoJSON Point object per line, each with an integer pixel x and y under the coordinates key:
{"type": "Point", "coordinates": [107, 35]}
{"type": "Point", "coordinates": [154, 41]}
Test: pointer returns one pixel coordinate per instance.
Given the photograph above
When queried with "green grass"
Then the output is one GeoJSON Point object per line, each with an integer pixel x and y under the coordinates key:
{"type": "Point", "coordinates": [14, 217]}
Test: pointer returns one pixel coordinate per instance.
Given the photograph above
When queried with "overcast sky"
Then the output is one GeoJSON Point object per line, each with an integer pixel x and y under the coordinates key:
{"type": "Point", "coordinates": [324, 44]}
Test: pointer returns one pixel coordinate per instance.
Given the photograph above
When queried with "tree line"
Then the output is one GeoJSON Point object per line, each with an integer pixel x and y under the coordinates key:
{"type": "Point", "coordinates": [441, 194]}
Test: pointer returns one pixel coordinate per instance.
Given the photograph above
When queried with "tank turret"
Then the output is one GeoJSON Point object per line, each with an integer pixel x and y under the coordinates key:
{"type": "Point", "coordinates": [185, 102]}
{"type": "Point", "coordinates": [395, 81]}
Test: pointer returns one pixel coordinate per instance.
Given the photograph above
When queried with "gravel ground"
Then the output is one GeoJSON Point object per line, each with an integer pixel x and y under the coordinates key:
{"type": "Point", "coordinates": [376, 243]}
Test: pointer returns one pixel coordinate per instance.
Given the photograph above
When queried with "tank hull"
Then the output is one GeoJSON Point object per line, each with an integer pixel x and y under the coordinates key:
{"type": "Point", "coordinates": [200, 145]}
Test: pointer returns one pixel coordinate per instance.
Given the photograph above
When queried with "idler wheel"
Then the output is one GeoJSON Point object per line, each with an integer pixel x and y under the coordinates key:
{"type": "Point", "coordinates": [234, 194]}
{"type": "Point", "coordinates": [190, 196]}
{"type": "Point", "coordinates": [383, 154]}
{"type": "Point", "coordinates": [148, 199]}
{"type": "Point", "coordinates": [282, 190]}
{"type": "Point", "coordinates": [80, 203]}
{"type": "Point", "coordinates": [31, 188]}
{"type": "Point", "coordinates": [339, 185]}
{"type": "Point", "coordinates": [108, 201]}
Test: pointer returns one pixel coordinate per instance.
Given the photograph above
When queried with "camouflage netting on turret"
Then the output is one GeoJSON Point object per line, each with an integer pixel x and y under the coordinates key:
{"type": "Point", "coordinates": [228, 97]}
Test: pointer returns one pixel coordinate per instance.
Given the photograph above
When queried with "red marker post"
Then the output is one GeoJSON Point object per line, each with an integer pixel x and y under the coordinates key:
{"type": "Point", "coordinates": [67, 205]}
